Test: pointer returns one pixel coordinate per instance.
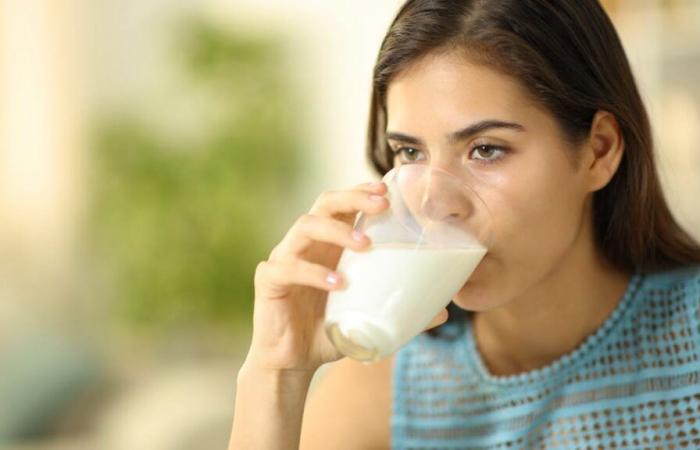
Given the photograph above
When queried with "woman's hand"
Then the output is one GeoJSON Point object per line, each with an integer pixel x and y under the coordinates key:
{"type": "Point", "coordinates": [292, 285]}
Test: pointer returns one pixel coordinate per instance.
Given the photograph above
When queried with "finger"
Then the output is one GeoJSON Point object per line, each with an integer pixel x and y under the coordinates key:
{"type": "Point", "coordinates": [347, 203]}
{"type": "Point", "coordinates": [279, 276]}
{"type": "Point", "coordinates": [439, 319]}
{"type": "Point", "coordinates": [309, 229]}
{"type": "Point", "coordinates": [378, 187]}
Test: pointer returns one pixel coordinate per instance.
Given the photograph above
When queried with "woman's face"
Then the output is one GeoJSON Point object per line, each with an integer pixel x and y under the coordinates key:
{"type": "Point", "coordinates": [520, 164]}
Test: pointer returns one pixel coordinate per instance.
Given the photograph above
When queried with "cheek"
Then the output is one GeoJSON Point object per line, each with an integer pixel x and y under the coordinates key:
{"type": "Point", "coordinates": [536, 211]}
{"type": "Point", "coordinates": [537, 222]}
{"type": "Point", "coordinates": [535, 207]}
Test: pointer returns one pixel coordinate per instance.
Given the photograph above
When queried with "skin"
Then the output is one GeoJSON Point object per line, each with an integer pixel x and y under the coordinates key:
{"type": "Point", "coordinates": [544, 285]}
{"type": "Point", "coordinates": [542, 288]}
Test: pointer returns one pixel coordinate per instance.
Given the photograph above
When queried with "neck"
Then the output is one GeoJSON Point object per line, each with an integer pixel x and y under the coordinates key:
{"type": "Point", "coordinates": [554, 316]}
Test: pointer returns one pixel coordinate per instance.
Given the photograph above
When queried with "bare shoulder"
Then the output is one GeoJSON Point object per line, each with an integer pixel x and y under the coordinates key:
{"type": "Point", "coordinates": [349, 407]}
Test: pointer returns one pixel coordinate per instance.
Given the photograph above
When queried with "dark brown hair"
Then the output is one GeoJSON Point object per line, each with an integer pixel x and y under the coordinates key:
{"type": "Point", "coordinates": [568, 56]}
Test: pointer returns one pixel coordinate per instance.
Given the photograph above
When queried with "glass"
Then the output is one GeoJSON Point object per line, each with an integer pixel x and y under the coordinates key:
{"type": "Point", "coordinates": [425, 247]}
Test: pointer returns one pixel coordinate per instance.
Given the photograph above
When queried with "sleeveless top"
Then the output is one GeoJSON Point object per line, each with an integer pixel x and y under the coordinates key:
{"type": "Point", "coordinates": [634, 383]}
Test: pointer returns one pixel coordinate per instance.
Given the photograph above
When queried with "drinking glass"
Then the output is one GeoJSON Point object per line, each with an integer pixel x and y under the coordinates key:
{"type": "Point", "coordinates": [424, 248]}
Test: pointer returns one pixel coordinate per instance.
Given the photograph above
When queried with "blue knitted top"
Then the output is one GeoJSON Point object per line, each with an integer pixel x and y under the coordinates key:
{"type": "Point", "coordinates": [632, 384]}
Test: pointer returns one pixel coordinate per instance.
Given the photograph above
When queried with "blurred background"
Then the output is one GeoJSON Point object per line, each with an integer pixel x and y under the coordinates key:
{"type": "Point", "coordinates": [153, 151]}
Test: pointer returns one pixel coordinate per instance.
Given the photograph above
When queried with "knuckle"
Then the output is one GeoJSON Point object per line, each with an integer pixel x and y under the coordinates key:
{"type": "Point", "coordinates": [303, 222]}
{"type": "Point", "coordinates": [326, 195]}
{"type": "Point", "coordinates": [260, 270]}
{"type": "Point", "coordinates": [361, 186]}
{"type": "Point", "coordinates": [275, 253]}
{"type": "Point", "coordinates": [278, 271]}
{"type": "Point", "coordinates": [322, 199]}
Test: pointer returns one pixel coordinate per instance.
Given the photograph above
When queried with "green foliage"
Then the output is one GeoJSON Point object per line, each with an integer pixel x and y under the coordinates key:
{"type": "Point", "coordinates": [180, 226]}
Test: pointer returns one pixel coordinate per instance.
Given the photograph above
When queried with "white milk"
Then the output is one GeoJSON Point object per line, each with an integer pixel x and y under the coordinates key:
{"type": "Point", "coordinates": [392, 294]}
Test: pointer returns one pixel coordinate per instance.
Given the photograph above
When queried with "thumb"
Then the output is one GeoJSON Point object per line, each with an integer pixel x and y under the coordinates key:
{"type": "Point", "coordinates": [439, 319]}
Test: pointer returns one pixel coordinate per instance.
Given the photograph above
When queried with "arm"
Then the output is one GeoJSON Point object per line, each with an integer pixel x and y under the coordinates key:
{"type": "Point", "coordinates": [289, 342]}
{"type": "Point", "coordinates": [269, 408]}
{"type": "Point", "coordinates": [349, 408]}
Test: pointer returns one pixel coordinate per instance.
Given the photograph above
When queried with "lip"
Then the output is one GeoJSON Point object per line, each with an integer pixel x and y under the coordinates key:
{"type": "Point", "coordinates": [481, 234]}
{"type": "Point", "coordinates": [473, 279]}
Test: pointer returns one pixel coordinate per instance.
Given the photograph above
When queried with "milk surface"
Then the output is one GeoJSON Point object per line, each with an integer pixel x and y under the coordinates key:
{"type": "Point", "coordinates": [392, 293]}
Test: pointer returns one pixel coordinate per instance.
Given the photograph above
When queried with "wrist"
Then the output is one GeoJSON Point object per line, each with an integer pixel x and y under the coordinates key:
{"type": "Point", "coordinates": [269, 407]}
{"type": "Point", "coordinates": [251, 370]}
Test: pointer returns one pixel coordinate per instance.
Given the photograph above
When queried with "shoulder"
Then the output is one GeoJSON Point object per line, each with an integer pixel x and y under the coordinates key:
{"type": "Point", "coordinates": [674, 288]}
{"type": "Point", "coordinates": [660, 331]}
{"type": "Point", "coordinates": [672, 298]}
{"type": "Point", "coordinates": [687, 278]}
{"type": "Point", "coordinates": [349, 396]}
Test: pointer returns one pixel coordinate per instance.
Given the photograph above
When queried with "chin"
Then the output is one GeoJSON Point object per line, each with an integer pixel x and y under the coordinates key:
{"type": "Point", "coordinates": [472, 298]}
{"type": "Point", "coordinates": [477, 294]}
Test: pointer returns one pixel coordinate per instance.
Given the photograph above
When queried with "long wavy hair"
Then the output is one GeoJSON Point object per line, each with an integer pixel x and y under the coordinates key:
{"type": "Point", "coordinates": [569, 57]}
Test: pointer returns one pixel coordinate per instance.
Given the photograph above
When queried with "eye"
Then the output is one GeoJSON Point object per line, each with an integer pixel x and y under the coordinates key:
{"type": "Point", "coordinates": [410, 154]}
{"type": "Point", "coordinates": [487, 153]}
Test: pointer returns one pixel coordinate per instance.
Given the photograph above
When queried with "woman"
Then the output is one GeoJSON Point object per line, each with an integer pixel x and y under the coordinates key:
{"type": "Point", "coordinates": [583, 325]}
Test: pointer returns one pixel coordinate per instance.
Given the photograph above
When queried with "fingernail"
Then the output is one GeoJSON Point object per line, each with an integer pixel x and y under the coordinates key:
{"type": "Point", "coordinates": [376, 198]}
{"type": "Point", "coordinates": [332, 278]}
{"type": "Point", "coordinates": [357, 235]}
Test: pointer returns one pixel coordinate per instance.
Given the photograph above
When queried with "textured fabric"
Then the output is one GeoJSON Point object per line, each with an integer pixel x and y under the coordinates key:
{"type": "Point", "coordinates": [633, 384]}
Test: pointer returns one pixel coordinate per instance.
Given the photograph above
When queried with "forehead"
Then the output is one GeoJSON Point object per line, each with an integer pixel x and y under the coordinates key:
{"type": "Point", "coordinates": [449, 88]}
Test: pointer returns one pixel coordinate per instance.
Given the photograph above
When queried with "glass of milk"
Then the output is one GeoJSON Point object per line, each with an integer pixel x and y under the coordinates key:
{"type": "Point", "coordinates": [424, 248]}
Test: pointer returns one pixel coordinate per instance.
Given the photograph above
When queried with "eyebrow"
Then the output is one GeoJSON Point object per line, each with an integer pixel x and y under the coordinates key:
{"type": "Point", "coordinates": [461, 134]}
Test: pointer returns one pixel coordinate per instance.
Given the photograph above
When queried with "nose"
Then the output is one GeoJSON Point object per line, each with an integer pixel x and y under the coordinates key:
{"type": "Point", "coordinates": [438, 196]}
{"type": "Point", "coordinates": [443, 201]}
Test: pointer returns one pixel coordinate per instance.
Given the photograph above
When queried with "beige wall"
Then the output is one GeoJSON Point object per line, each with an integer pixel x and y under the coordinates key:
{"type": "Point", "coordinates": [662, 39]}
{"type": "Point", "coordinates": [63, 60]}
{"type": "Point", "coordinates": [41, 156]}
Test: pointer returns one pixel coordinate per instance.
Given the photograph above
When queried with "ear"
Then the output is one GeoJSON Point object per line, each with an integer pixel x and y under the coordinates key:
{"type": "Point", "coordinates": [603, 150]}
